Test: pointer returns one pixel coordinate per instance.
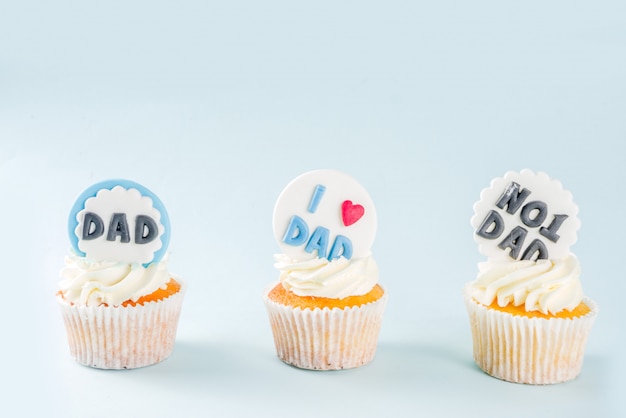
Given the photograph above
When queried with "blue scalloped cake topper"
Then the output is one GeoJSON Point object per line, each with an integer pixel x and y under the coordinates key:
{"type": "Point", "coordinates": [119, 220]}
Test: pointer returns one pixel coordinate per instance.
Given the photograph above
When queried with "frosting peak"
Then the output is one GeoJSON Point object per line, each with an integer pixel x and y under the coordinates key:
{"type": "Point", "coordinates": [320, 277]}
{"type": "Point", "coordinates": [92, 283]}
{"type": "Point", "coordinates": [548, 286]}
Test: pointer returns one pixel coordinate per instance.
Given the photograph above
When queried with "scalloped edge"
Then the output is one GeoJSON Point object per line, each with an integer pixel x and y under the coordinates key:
{"type": "Point", "coordinates": [540, 176]}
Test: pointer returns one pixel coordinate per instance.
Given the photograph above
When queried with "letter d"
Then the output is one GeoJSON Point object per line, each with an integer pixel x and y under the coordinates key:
{"type": "Point", "coordinates": [91, 219]}
{"type": "Point", "coordinates": [143, 223]}
{"type": "Point", "coordinates": [492, 227]}
{"type": "Point", "coordinates": [297, 232]}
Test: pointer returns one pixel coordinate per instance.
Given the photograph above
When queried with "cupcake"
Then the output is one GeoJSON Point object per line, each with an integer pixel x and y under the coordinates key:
{"type": "Point", "coordinates": [529, 318]}
{"type": "Point", "coordinates": [326, 309]}
{"type": "Point", "coordinates": [118, 300]}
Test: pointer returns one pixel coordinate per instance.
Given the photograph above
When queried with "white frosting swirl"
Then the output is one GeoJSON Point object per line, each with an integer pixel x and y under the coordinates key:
{"type": "Point", "coordinates": [92, 283]}
{"type": "Point", "coordinates": [334, 279]}
{"type": "Point", "coordinates": [548, 286]}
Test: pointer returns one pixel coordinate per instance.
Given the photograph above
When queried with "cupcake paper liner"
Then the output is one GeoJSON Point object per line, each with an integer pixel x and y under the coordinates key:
{"type": "Point", "coordinates": [122, 337]}
{"type": "Point", "coordinates": [326, 339]}
{"type": "Point", "coordinates": [528, 350]}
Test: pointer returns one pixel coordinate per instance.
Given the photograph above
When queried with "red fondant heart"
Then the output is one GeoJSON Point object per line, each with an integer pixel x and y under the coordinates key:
{"type": "Point", "coordinates": [351, 213]}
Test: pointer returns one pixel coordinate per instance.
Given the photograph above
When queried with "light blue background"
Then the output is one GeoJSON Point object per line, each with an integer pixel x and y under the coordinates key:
{"type": "Point", "coordinates": [216, 106]}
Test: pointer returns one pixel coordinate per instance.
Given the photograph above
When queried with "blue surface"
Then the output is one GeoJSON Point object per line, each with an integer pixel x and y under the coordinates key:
{"type": "Point", "coordinates": [217, 105]}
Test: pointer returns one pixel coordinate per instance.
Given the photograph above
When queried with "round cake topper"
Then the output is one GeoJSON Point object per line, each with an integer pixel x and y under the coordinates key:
{"type": "Point", "coordinates": [525, 216]}
{"type": "Point", "coordinates": [325, 214]}
{"type": "Point", "coordinates": [119, 220]}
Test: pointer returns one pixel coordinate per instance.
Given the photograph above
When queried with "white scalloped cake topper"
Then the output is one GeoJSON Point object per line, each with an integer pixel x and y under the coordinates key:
{"type": "Point", "coordinates": [119, 220]}
{"type": "Point", "coordinates": [525, 216]}
{"type": "Point", "coordinates": [325, 214]}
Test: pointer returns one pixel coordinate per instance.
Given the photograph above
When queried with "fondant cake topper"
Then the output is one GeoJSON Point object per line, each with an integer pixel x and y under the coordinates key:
{"type": "Point", "coordinates": [525, 216]}
{"type": "Point", "coordinates": [325, 214]}
{"type": "Point", "coordinates": [119, 220]}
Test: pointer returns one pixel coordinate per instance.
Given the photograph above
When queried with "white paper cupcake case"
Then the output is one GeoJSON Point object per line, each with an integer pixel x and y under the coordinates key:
{"type": "Point", "coordinates": [326, 339]}
{"type": "Point", "coordinates": [122, 337]}
{"type": "Point", "coordinates": [528, 350]}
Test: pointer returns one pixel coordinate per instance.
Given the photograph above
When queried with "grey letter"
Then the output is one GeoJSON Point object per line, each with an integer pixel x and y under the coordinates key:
{"type": "Point", "coordinates": [541, 215]}
{"type": "Point", "coordinates": [118, 226]}
{"type": "Point", "coordinates": [550, 232]}
{"type": "Point", "coordinates": [493, 218]}
{"type": "Point", "coordinates": [514, 241]}
{"type": "Point", "coordinates": [536, 247]}
{"type": "Point", "coordinates": [142, 222]}
{"type": "Point", "coordinates": [89, 219]}
{"type": "Point", "coordinates": [512, 198]}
